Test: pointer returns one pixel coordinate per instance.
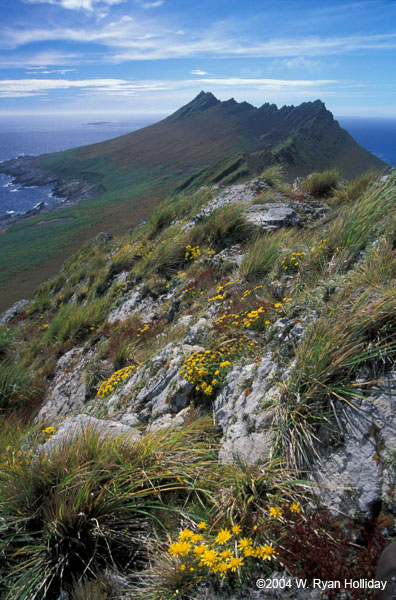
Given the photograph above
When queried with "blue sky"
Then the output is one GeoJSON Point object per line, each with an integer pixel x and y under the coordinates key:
{"type": "Point", "coordinates": [149, 57]}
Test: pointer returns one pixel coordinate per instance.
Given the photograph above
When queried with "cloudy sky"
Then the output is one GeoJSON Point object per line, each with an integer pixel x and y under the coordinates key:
{"type": "Point", "coordinates": [148, 57]}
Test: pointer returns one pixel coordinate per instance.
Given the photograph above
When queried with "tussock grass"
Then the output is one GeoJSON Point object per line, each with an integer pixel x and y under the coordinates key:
{"type": "Point", "coordinates": [321, 183]}
{"type": "Point", "coordinates": [7, 340]}
{"type": "Point", "coordinates": [273, 176]}
{"type": "Point", "coordinates": [76, 321]}
{"type": "Point", "coordinates": [260, 258]}
{"type": "Point", "coordinates": [91, 503]}
{"type": "Point", "coordinates": [354, 189]}
{"type": "Point", "coordinates": [364, 221]}
{"type": "Point", "coordinates": [224, 227]}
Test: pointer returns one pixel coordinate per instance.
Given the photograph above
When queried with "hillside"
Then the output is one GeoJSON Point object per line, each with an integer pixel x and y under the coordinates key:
{"type": "Point", "coordinates": [207, 400]}
{"type": "Point", "coordinates": [114, 184]}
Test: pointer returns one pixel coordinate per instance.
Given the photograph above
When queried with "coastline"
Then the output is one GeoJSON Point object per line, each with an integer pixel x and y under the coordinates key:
{"type": "Point", "coordinates": [28, 172]}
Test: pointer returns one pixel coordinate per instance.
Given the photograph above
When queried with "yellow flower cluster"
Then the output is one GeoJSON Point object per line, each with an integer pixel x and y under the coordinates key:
{"type": "Point", "coordinates": [280, 305]}
{"type": "Point", "coordinates": [247, 293]}
{"type": "Point", "coordinates": [320, 245]}
{"type": "Point", "coordinates": [142, 330]}
{"type": "Point", "coordinates": [221, 554]}
{"type": "Point", "coordinates": [192, 252]}
{"type": "Point", "coordinates": [291, 263]}
{"type": "Point", "coordinates": [118, 377]}
{"type": "Point", "coordinates": [244, 318]}
{"type": "Point", "coordinates": [197, 254]}
{"type": "Point", "coordinates": [48, 430]}
{"type": "Point", "coordinates": [206, 369]}
{"type": "Point", "coordinates": [221, 295]}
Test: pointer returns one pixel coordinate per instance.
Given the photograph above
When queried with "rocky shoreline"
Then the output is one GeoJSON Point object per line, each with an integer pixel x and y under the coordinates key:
{"type": "Point", "coordinates": [27, 171]}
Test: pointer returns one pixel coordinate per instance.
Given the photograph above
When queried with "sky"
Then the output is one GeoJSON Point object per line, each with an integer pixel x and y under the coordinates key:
{"type": "Point", "coordinates": [149, 57]}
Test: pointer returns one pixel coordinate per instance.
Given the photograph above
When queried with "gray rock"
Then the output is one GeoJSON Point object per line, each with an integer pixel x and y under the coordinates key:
{"type": "Point", "coordinates": [360, 474]}
{"type": "Point", "coordinates": [206, 591]}
{"type": "Point", "coordinates": [197, 332]}
{"type": "Point", "coordinates": [102, 237]}
{"type": "Point", "coordinates": [67, 393]}
{"type": "Point", "coordinates": [155, 390]}
{"type": "Point", "coordinates": [79, 424]}
{"type": "Point", "coordinates": [123, 311]}
{"type": "Point", "coordinates": [272, 216]}
{"type": "Point", "coordinates": [240, 411]}
{"type": "Point", "coordinates": [13, 311]}
{"type": "Point", "coordinates": [232, 254]}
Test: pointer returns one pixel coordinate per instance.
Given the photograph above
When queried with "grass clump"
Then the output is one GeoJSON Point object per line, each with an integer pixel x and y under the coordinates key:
{"type": "Point", "coordinates": [354, 189]}
{"type": "Point", "coordinates": [321, 183]}
{"type": "Point", "coordinates": [364, 221]}
{"type": "Point", "coordinates": [260, 257]}
{"type": "Point", "coordinates": [90, 504]}
{"type": "Point", "coordinates": [359, 333]}
{"type": "Point", "coordinates": [76, 321]}
{"type": "Point", "coordinates": [224, 227]}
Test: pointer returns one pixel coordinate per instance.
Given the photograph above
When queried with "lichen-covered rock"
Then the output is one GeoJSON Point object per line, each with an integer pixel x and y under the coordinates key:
{"type": "Point", "coordinates": [239, 193]}
{"type": "Point", "coordinates": [272, 216]}
{"type": "Point", "coordinates": [360, 474]}
{"type": "Point", "coordinates": [122, 312]}
{"type": "Point", "coordinates": [68, 392]}
{"type": "Point", "coordinates": [242, 412]}
{"type": "Point", "coordinates": [12, 312]}
{"type": "Point", "coordinates": [84, 424]}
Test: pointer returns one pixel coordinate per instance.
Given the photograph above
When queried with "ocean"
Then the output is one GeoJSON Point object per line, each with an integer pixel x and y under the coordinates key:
{"type": "Point", "coordinates": [26, 136]}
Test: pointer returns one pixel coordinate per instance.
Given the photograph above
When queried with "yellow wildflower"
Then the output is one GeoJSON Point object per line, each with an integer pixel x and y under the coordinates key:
{"type": "Point", "coordinates": [223, 536]}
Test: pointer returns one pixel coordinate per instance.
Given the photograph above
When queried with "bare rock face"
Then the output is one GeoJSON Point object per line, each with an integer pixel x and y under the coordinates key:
{"type": "Point", "coordinates": [155, 394]}
{"type": "Point", "coordinates": [238, 410]}
{"type": "Point", "coordinates": [82, 424]}
{"type": "Point", "coordinates": [359, 476]}
{"type": "Point", "coordinates": [68, 392]}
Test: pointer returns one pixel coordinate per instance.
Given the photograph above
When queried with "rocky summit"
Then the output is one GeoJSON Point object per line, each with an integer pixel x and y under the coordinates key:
{"type": "Point", "coordinates": [208, 401]}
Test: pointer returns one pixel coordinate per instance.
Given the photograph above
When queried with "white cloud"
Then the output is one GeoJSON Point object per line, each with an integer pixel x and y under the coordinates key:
{"type": "Point", "coordinates": [34, 61]}
{"type": "Point", "coordinates": [148, 5]}
{"type": "Point", "coordinates": [300, 62]}
{"type": "Point", "coordinates": [30, 87]}
{"type": "Point", "coordinates": [76, 4]}
{"type": "Point", "coordinates": [44, 71]}
{"type": "Point", "coordinates": [198, 72]}
{"type": "Point", "coordinates": [123, 87]}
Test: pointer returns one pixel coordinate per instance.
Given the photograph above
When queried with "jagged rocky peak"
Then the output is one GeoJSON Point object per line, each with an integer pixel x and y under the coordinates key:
{"type": "Point", "coordinates": [199, 104]}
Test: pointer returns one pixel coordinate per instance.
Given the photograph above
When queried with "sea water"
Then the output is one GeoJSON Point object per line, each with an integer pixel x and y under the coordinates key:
{"type": "Point", "coordinates": [35, 136]}
{"type": "Point", "coordinates": [374, 134]}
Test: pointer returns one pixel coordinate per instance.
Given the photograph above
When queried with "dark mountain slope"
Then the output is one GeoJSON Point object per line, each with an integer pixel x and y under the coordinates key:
{"type": "Point", "coordinates": [207, 130]}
